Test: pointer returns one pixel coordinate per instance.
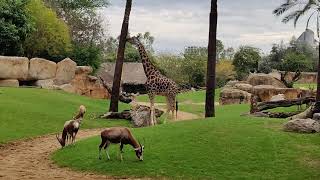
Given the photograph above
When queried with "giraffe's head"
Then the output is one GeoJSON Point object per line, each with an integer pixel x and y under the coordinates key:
{"type": "Point", "coordinates": [133, 40]}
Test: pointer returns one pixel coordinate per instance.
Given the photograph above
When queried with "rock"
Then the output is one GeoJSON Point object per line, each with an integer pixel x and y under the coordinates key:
{"type": "Point", "coordinates": [266, 92]}
{"type": "Point", "coordinates": [264, 79]}
{"type": "Point", "coordinates": [90, 86]}
{"type": "Point", "coordinates": [65, 71]}
{"type": "Point", "coordinates": [232, 83]}
{"type": "Point", "coordinates": [278, 97]}
{"type": "Point", "coordinates": [316, 117]}
{"type": "Point", "coordinates": [234, 96]}
{"type": "Point", "coordinates": [302, 126]}
{"type": "Point", "coordinates": [67, 88]}
{"type": "Point", "coordinates": [84, 70]}
{"type": "Point", "coordinates": [42, 69]}
{"type": "Point", "coordinates": [45, 84]}
{"type": "Point", "coordinates": [14, 67]}
{"type": "Point", "coordinates": [9, 83]}
{"type": "Point", "coordinates": [141, 115]}
{"type": "Point", "coordinates": [244, 87]}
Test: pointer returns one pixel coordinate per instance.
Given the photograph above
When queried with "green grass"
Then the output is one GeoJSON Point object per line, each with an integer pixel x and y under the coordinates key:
{"type": "Point", "coordinates": [227, 147]}
{"type": "Point", "coordinates": [26, 112]}
{"type": "Point", "coordinates": [193, 97]}
{"type": "Point", "coordinates": [305, 85]}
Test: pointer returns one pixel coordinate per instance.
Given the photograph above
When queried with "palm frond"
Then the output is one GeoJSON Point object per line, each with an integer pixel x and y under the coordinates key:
{"type": "Point", "coordinates": [291, 16]}
{"type": "Point", "coordinates": [284, 7]}
{"type": "Point", "coordinates": [305, 9]}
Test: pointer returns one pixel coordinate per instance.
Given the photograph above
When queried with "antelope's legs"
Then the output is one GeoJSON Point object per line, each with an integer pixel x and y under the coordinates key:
{"type": "Point", "coordinates": [121, 151]}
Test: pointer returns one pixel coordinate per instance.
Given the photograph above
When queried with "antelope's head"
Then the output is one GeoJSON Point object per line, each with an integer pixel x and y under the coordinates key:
{"type": "Point", "coordinates": [139, 152]}
{"type": "Point", "coordinates": [61, 141]}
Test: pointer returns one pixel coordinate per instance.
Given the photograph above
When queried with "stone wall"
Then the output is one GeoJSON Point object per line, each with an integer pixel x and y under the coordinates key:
{"type": "Point", "coordinates": [264, 86]}
{"type": "Point", "coordinates": [65, 75]}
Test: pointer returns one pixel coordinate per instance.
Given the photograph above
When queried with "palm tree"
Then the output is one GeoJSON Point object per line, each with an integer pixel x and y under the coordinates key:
{"type": "Point", "coordinates": [120, 57]}
{"type": "Point", "coordinates": [295, 9]}
{"type": "Point", "coordinates": [211, 66]}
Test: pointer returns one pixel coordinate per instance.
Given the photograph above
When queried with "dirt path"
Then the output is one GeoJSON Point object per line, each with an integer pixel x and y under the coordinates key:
{"type": "Point", "coordinates": [182, 116]}
{"type": "Point", "coordinates": [30, 159]}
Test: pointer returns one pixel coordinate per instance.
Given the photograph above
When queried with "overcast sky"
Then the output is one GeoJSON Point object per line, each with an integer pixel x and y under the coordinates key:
{"type": "Point", "coordinates": [176, 24]}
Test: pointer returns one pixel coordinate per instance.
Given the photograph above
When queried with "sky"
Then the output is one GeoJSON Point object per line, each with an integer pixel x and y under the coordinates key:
{"type": "Point", "coordinates": [177, 24]}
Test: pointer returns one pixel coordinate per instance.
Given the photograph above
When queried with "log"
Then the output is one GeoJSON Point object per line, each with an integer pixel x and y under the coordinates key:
{"type": "Point", "coordinates": [122, 98]}
{"type": "Point", "coordinates": [117, 115]}
{"type": "Point", "coordinates": [284, 103]}
{"type": "Point", "coordinates": [308, 113]}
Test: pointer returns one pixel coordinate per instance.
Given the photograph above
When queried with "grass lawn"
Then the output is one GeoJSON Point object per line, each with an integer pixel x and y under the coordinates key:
{"type": "Point", "coordinates": [192, 97]}
{"type": "Point", "coordinates": [227, 147]}
{"type": "Point", "coordinates": [29, 112]}
{"type": "Point", "coordinates": [306, 86]}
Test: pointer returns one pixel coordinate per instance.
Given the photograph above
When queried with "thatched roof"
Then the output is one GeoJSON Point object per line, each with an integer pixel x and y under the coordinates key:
{"type": "Point", "coordinates": [132, 73]}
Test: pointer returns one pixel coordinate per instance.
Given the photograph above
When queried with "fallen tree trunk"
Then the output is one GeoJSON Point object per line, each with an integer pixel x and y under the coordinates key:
{"type": "Point", "coordinates": [122, 98]}
{"type": "Point", "coordinates": [308, 113]}
{"type": "Point", "coordinates": [284, 103]}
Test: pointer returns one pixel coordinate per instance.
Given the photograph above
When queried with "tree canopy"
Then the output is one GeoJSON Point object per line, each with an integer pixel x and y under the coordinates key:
{"type": "Point", "coordinates": [15, 25]}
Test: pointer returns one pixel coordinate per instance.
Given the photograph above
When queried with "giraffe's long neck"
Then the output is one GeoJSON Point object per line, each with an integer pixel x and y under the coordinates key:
{"type": "Point", "coordinates": [149, 68]}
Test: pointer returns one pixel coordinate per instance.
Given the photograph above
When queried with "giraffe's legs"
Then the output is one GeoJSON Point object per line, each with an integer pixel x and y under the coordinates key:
{"type": "Point", "coordinates": [172, 104]}
{"type": "Point", "coordinates": [152, 114]}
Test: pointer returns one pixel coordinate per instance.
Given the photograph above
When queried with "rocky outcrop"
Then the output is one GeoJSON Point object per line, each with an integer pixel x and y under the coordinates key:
{"type": "Point", "coordinates": [67, 88]}
{"type": "Point", "coordinates": [87, 85]}
{"type": "Point", "coordinates": [266, 92]}
{"type": "Point", "coordinates": [66, 70]}
{"type": "Point", "coordinates": [14, 67]}
{"type": "Point", "coordinates": [140, 116]}
{"type": "Point", "coordinates": [264, 79]}
{"type": "Point", "coordinates": [302, 126]}
{"type": "Point", "coordinates": [9, 83]}
{"type": "Point", "coordinates": [41, 69]}
{"type": "Point", "coordinates": [234, 96]}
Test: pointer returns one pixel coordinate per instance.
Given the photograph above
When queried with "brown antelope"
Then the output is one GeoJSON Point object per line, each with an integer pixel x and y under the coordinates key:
{"type": "Point", "coordinates": [122, 136]}
{"type": "Point", "coordinates": [71, 128]}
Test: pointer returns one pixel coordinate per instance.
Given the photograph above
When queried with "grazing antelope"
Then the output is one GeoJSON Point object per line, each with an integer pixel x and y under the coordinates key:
{"type": "Point", "coordinates": [71, 128]}
{"type": "Point", "coordinates": [122, 136]}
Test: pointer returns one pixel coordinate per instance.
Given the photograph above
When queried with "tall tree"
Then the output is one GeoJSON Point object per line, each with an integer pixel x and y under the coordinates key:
{"type": "Point", "coordinates": [294, 10]}
{"type": "Point", "coordinates": [120, 57]}
{"type": "Point", "coordinates": [211, 66]}
{"type": "Point", "coordinates": [15, 26]}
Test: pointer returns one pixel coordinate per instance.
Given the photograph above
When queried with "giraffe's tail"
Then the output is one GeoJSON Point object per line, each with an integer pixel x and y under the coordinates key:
{"type": "Point", "coordinates": [177, 108]}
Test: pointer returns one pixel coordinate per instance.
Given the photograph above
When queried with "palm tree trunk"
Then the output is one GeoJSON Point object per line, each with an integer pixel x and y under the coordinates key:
{"type": "Point", "coordinates": [211, 65]}
{"type": "Point", "coordinates": [120, 57]}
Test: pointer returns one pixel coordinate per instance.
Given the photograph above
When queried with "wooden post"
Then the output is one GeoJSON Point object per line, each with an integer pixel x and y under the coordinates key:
{"type": "Point", "coordinates": [120, 57]}
{"type": "Point", "coordinates": [211, 65]}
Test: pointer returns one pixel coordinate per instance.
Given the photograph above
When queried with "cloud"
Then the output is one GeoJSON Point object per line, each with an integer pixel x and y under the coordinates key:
{"type": "Point", "coordinates": [178, 24]}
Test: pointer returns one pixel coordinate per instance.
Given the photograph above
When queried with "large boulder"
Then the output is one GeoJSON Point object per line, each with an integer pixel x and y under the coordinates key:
{"type": "Point", "coordinates": [266, 92]}
{"type": "Point", "coordinates": [67, 88]}
{"type": "Point", "coordinates": [244, 87]}
{"type": "Point", "coordinates": [45, 84]}
{"type": "Point", "coordinates": [234, 96]}
{"type": "Point", "coordinates": [42, 69]}
{"type": "Point", "coordinates": [14, 67]}
{"type": "Point", "coordinates": [9, 83]}
{"type": "Point", "coordinates": [140, 115]}
{"type": "Point", "coordinates": [84, 70]}
{"type": "Point", "coordinates": [264, 79]}
{"type": "Point", "coordinates": [302, 126]}
{"type": "Point", "coordinates": [66, 70]}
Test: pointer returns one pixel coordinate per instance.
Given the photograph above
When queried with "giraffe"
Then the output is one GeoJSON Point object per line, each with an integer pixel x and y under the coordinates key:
{"type": "Point", "coordinates": [156, 84]}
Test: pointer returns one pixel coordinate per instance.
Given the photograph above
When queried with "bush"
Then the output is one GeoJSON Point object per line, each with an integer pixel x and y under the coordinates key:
{"type": "Point", "coordinates": [224, 73]}
{"type": "Point", "coordinates": [246, 60]}
{"type": "Point", "coordinates": [87, 55]}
